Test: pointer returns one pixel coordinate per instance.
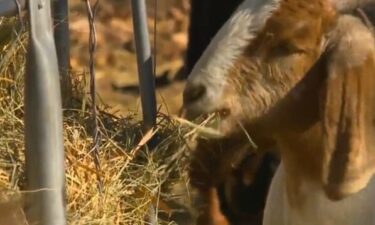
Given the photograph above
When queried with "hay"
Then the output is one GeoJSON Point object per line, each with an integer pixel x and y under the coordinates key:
{"type": "Point", "coordinates": [136, 181]}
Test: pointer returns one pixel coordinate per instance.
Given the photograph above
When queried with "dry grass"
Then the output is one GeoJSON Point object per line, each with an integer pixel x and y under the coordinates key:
{"type": "Point", "coordinates": [135, 180]}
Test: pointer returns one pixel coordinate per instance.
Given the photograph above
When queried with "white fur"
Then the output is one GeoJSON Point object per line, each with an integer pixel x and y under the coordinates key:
{"type": "Point", "coordinates": [229, 43]}
{"type": "Point", "coordinates": [317, 209]}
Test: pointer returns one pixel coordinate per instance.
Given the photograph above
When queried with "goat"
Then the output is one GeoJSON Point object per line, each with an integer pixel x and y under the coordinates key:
{"type": "Point", "coordinates": [242, 196]}
{"type": "Point", "coordinates": [282, 69]}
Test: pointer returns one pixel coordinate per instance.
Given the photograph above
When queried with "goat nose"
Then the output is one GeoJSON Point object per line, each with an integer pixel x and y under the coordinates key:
{"type": "Point", "coordinates": [193, 92]}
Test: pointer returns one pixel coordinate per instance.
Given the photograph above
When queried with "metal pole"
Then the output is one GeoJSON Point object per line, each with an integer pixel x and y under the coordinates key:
{"type": "Point", "coordinates": [61, 34]}
{"type": "Point", "coordinates": [11, 7]}
{"type": "Point", "coordinates": [43, 122]}
{"type": "Point", "coordinates": [144, 60]}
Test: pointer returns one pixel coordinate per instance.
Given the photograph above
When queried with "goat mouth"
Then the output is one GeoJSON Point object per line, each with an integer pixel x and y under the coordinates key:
{"type": "Point", "coordinates": [224, 113]}
{"type": "Point", "coordinates": [212, 125]}
{"type": "Point", "coordinates": [219, 114]}
{"type": "Point", "coordinates": [191, 115]}
{"type": "Point", "coordinates": [216, 118]}
{"type": "Point", "coordinates": [212, 120]}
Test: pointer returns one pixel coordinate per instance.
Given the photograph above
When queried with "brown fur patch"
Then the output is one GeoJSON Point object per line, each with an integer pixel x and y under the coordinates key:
{"type": "Point", "coordinates": [348, 114]}
{"type": "Point", "coordinates": [278, 58]}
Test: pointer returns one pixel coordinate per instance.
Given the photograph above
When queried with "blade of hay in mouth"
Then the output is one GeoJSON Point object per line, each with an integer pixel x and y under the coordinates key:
{"type": "Point", "coordinates": [200, 128]}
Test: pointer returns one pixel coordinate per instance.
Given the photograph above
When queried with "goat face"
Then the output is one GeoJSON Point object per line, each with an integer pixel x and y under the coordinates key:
{"type": "Point", "coordinates": [256, 58]}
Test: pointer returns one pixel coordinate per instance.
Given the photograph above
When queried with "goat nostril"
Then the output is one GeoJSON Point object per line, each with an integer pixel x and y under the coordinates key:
{"type": "Point", "coordinates": [194, 93]}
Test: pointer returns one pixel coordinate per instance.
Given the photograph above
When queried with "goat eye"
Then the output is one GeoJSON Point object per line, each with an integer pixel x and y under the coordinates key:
{"type": "Point", "coordinates": [287, 48]}
{"type": "Point", "coordinates": [295, 49]}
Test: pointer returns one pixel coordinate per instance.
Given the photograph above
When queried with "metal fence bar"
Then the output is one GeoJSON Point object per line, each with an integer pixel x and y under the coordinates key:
{"type": "Point", "coordinates": [43, 122]}
{"type": "Point", "coordinates": [61, 34]}
{"type": "Point", "coordinates": [10, 7]}
{"type": "Point", "coordinates": [144, 60]}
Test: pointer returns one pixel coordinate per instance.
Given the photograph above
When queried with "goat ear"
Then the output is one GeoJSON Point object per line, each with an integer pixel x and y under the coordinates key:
{"type": "Point", "coordinates": [350, 5]}
{"type": "Point", "coordinates": [348, 114]}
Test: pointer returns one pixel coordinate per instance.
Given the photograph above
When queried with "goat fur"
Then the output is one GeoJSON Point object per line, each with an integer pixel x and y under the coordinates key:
{"type": "Point", "coordinates": [347, 155]}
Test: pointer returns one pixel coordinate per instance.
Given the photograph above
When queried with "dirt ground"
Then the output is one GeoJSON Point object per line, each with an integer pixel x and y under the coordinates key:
{"type": "Point", "coordinates": [116, 70]}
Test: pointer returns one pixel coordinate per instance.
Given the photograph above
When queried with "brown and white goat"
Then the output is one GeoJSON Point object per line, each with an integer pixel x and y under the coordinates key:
{"type": "Point", "coordinates": [297, 73]}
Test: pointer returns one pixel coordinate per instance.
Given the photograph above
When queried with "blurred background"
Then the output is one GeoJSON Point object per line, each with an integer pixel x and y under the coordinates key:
{"type": "Point", "coordinates": [116, 69]}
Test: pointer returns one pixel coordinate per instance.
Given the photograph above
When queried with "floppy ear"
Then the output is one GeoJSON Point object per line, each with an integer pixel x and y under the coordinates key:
{"type": "Point", "coordinates": [348, 111]}
{"type": "Point", "coordinates": [350, 5]}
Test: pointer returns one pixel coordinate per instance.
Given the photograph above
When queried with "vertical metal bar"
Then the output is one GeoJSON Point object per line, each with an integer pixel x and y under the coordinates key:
{"type": "Point", "coordinates": [61, 34]}
{"type": "Point", "coordinates": [43, 122]}
{"type": "Point", "coordinates": [11, 7]}
{"type": "Point", "coordinates": [144, 60]}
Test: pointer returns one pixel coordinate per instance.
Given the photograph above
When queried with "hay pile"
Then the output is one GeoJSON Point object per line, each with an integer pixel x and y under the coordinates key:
{"type": "Point", "coordinates": [135, 180]}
